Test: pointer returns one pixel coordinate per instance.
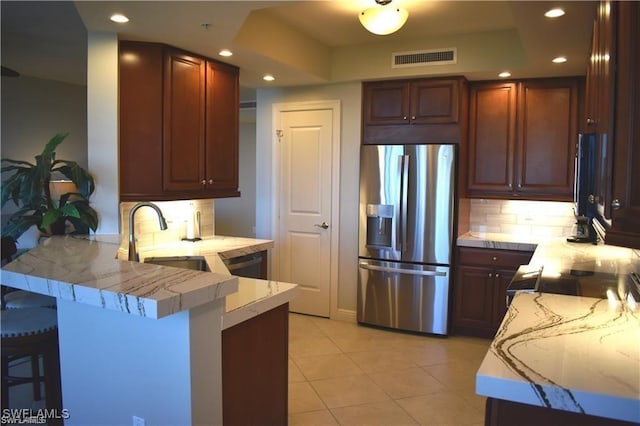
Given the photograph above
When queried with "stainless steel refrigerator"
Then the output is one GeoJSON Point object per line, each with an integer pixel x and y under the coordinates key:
{"type": "Point", "coordinates": [406, 235]}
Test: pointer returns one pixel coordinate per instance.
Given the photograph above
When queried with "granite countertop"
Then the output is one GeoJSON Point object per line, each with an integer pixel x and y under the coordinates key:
{"type": "Point", "coordinates": [253, 297]}
{"type": "Point", "coordinates": [87, 271]}
{"type": "Point", "coordinates": [95, 271]}
{"type": "Point", "coordinates": [571, 353]}
{"type": "Point", "coordinates": [497, 241]}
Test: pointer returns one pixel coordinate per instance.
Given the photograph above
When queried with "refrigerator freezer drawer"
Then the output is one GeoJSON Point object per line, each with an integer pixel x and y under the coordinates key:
{"type": "Point", "coordinates": [404, 296]}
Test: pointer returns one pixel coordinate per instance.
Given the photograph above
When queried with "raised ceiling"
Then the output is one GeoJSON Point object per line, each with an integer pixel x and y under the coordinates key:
{"type": "Point", "coordinates": [306, 42]}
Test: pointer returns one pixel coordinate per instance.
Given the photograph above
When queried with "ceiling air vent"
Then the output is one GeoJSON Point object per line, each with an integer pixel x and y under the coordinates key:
{"type": "Point", "coordinates": [424, 57]}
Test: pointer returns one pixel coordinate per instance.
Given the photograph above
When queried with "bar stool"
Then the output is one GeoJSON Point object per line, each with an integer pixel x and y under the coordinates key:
{"type": "Point", "coordinates": [31, 332]}
{"type": "Point", "coordinates": [19, 299]}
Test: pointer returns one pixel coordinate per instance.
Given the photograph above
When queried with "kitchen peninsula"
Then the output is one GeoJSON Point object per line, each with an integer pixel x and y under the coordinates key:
{"type": "Point", "coordinates": [561, 359]}
{"type": "Point", "coordinates": [138, 339]}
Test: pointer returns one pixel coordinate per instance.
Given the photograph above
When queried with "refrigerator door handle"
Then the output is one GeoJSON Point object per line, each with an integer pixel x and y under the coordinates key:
{"type": "Point", "coordinates": [398, 222]}
{"type": "Point", "coordinates": [403, 271]}
{"type": "Point", "coordinates": [404, 203]}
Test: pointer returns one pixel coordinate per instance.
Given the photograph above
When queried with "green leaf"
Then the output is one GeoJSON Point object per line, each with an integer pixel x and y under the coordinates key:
{"type": "Point", "coordinates": [50, 217]}
{"type": "Point", "coordinates": [70, 210]}
{"type": "Point", "coordinates": [49, 150]}
{"type": "Point", "coordinates": [18, 225]}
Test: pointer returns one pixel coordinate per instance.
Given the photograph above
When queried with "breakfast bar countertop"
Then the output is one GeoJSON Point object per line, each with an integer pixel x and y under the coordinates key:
{"type": "Point", "coordinates": [85, 270]}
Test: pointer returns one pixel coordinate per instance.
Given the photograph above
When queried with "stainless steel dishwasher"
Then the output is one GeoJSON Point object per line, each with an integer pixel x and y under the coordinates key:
{"type": "Point", "coordinates": [250, 266]}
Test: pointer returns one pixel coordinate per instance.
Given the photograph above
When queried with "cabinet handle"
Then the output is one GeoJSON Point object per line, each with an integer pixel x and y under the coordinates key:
{"type": "Point", "coordinates": [210, 181]}
{"type": "Point", "coordinates": [494, 258]}
{"type": "Point", "coordinates": [590, 121]}
{"type": "Point", "coordinates": [616, 204]}
{"type": "Point", "coordinates": [497, 275]}
{"type": "Point", "coordinates": [413, 117]}
{"type": "Point", "coordinates": [490, 275]}
{"type": "Point", "coordinates": [404, 117]}
{"type": "Point", "coordinates": [203, 182]}
{"type": "Point", "coordinates": [510, 186]}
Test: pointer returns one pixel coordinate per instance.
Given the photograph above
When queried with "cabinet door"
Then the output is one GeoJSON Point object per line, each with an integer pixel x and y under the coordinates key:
{"type": "Point", "coordinates": [140, 118]}
{"type": "Point", "coordinates": [547, 136]}
{"type": "Point", "coordinates": [385, 102]}
{"type": "Point", "coordinates": [625, 229]}
{"type": "Point", "coordinates": [502, 279]}
{"type": "Point", "coordinates": [435, 101]}
{"type": "Point", "coordinates": [184, 122]}
{"type": "Point", "coordinates": [492, 136]}
{"type": "Point", "coordinates": [222, 129]}
{"type": "Point", "coordinates": [604, 56]}
{"type": "Point", "coordinates": [474, 301]}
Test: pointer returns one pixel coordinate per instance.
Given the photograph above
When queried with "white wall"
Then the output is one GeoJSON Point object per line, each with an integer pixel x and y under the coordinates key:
{"type": "Point", "coordinates": [237, 216]}
{"type": "Point", "coordinates": [33, 111]}
{"type": "Point", "coordinates": [102, 127]}
{"type": "Point", "coordinates": [349, 95]}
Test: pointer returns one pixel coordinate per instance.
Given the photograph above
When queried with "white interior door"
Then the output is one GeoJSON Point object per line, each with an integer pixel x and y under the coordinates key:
{"type": "Point", "coordinates": [305, 207]}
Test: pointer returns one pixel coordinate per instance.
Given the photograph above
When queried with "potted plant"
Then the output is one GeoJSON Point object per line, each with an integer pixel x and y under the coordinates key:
{"type": "Point", "coordinates": [29, 188]}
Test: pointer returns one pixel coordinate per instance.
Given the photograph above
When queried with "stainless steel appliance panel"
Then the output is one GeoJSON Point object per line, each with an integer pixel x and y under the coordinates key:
{"type": "Point", "coordinates": [406, 202]}
{"type": "Point", "coordinates": [380, 192]}
{"type": "Point", "coordinates": [429, 203]}
{"type": "Point", "coordinates": [403, 295]}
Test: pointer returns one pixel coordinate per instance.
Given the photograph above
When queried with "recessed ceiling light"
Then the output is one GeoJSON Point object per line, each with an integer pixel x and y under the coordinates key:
{"type": "Point", "coordinates": [554, 13]}
{"type": "Point", "coordinates": [504, 74]}
{"type": "Point", "coordinates": [119, 18]}
{"type": "Point", "coordinates": [268, 77]}
{"type": "Point", "coordinates": [225, 52]}
{"type": "Point", "coordinates": [559, 60]}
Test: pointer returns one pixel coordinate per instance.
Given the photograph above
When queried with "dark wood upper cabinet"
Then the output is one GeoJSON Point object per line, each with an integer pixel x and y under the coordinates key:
{"type": "Point", "coordinates": [522, 138]}
{"type": "Point", "coordinates": [600, 89]}
{"type": "Point", "coordinates": [625, 198]}
{"type": "Point", "coordinates": [183, 142]}
{"type": "Point", "coordinates": [178, 124]}
{"type": "Point", "coordinates": [547, 137]}
{"type": "Point", "coordinates": [492, 137]}
{"type": "Point", "coordinates": [222, 99]}
{"type": "Point", "coordinates": [414, 111]}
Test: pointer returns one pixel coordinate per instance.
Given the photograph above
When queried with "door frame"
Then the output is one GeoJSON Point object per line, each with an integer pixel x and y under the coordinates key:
{"type": "Point", "coordinates": [334, 107]}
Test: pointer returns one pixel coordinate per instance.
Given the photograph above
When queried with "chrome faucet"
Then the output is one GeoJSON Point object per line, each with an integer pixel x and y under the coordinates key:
{"type": "Point", "coordinates": [133, 251]}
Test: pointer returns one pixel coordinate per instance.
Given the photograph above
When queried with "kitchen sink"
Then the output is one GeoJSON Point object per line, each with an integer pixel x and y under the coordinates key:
{"type": "Point", "coordinates": [197, 263]}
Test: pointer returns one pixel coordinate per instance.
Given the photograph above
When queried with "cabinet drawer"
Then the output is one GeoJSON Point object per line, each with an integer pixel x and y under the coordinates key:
{"type": "Point", "coordinates": [491, 257]}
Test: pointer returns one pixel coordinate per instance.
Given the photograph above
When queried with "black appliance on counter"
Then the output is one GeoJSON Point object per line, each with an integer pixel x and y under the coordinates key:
{"type": "Point", "coordinates": [584, 189]}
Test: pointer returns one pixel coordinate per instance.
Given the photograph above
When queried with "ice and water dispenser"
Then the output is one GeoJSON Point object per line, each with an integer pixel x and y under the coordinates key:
{"type": "Point", "coordinates": [379, 225]}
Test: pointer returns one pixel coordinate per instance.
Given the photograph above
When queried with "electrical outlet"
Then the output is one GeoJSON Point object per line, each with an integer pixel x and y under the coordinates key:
{"type": "Point", "coordinates": [138, 421]}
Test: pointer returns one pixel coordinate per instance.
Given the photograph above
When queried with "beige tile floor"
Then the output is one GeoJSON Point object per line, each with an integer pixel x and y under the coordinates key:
{"type": "Point", "coordinates": [341, 373]}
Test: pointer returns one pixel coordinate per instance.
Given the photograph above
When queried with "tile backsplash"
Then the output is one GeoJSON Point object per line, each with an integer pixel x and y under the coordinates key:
{"type": "Point", "coordinates": [531, 219]}
{"type": "Point", "coordinates": [177, 214]}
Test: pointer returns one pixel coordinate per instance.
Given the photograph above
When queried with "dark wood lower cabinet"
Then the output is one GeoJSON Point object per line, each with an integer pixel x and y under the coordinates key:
{"type": "Point", "coordinates": [499, 412]}
{"type": "Point", "coordinates": [255, 370]}
{"type": "Point", "coordinates": [482, 278]}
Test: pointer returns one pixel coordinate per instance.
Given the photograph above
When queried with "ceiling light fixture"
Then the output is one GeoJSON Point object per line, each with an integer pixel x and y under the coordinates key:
{"type": "Point", "coordinates": [559, 60]}
{"type": "Point", "coordinates": [383, 19]}
{"type": "Point", "coordinates": [554, 13]}
{"type": "Point", "coordinates": [119, 18]}
{"type": "Point", "coordinates": [268, 77]}
{"type": "Point", "coordinates": [504, 74]}
{"type": "Point", "coordinates": [225, 52]}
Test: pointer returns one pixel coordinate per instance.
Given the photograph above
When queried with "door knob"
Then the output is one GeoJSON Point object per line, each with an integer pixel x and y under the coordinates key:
{"type": "Point", "coordinates": [324, 225]}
